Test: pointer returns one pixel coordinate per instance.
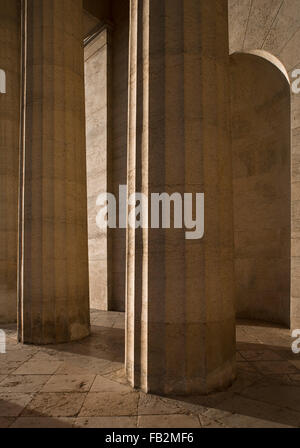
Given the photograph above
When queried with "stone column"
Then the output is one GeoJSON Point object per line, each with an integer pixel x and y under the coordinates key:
{"type": "Point", "coordinates": [10, 33]}
{"type": "Point", "coordinates": [54, 288]}
{"type": "Point", "coordinates": [180, 327]}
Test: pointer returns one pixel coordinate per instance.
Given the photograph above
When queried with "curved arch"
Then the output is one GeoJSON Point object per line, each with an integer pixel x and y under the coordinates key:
{"type": "Point", "coordinates": [261, 153]}
{"type": "Point", "coordinates": [267, 57]}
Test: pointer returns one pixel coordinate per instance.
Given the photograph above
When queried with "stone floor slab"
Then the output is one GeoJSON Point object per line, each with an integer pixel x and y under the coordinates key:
{"type": "Point", "coordinates": [55, 405]}
{"type": "Point", "coordinates": [83, 384]}
{"type": "Point", "coordinates": [23, 383]}
{"type": "Point", "coordinates": [69, 383]}
{"type": "Point", "coordinates": [12, 404]}
{"type": "Point", "coordinates": [38, 367]}
{"type": "Point", "coordinates": [275, 367]}
{"type": "Point", "coordinates": [102, 384]}
{"type": "Point", "coordinates": [6, 422]}
{"type": "Point", "coordinates": [43, 422]}
{"type": "Point", "coordinates": [109, 404]}
{"type": "Point", "coordinates": [168, 421]}
{"type": "Point", "coordinates": [106, 422]}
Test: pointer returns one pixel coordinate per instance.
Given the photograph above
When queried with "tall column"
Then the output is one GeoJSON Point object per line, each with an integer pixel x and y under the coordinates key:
{"type": "Point", "coordinates": [54, 289]}
{"type": "Point", "coordinates": [10, 33]}
{"type": "Point", "coordinates": [180, 328]}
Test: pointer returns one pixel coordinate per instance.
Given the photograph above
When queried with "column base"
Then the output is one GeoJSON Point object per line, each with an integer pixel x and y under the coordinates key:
{"type": "Point", "coordinates": [217, 381]}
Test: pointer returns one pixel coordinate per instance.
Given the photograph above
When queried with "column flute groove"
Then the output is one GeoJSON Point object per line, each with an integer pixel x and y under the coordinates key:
{"type": "Point", "coordinates": [53, 265]}
{"type": "Point", "coordinates": [180, 328]}
{"type": "Point", "coordinates": [10, 38]}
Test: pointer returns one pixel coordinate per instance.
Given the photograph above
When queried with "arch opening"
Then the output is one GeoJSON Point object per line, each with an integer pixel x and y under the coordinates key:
{"type": "Point", "coordinates": [261, 163]}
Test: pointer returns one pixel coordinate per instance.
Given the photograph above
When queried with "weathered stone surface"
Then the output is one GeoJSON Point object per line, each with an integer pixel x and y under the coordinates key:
{"type": "Point", "coordinates": [168, 421]}
{"type": "Point", "coordinates": [180, 315]}
{"type": "Point", "coordinates": [180, 305]}
{"type": "Point", "coordinates": [110, 404]}
{"type": "Point", "coordinates": [54, 291]}
{"type": "Point", "coordinates": [102, 384]}
{"type": "Point", "coordinates": [55, 404]}
{"type": "Point", "coordinates": [6, 422]}
{"type": "Point", "coordinates": [262, 397]}
{"type": "Point", "coordinates": [69, 383]}
{"type": "Point", "coordinates": [106, 422]}
{"type": "Point", "coordinates": [273, 27]}
{"type": "Point", "coordinates": [12, 404]}
{"type": "Point", "coordinates": [97, 55]}
{"type": "Point", "coordinates": [261, 160]}
{"type": "Point", "coordinates": [43, 422]}
{"type": "Point", "coordinates": [10, 15]}
{"type": "Point", "coordinates": [23, 383]}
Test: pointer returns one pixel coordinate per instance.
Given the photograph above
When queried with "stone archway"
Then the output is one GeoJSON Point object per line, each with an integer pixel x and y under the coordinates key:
{"type": "Point", "coordinates": [274, 27]}
{"type": "Point", "coordinates": [261, 155]}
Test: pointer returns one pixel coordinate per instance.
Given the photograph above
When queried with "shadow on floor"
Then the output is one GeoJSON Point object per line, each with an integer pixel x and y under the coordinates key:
{"type": "Point", "coordinates": [265, 394]}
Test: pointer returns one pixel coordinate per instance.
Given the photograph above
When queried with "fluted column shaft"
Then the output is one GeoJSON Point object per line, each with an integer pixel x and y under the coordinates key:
{"type": "Point", "coordinates": [10, 43]}
{"type": "Point", "coordinates": [54, 302]}
{"type": "Point", "coordinates": [180, 329]}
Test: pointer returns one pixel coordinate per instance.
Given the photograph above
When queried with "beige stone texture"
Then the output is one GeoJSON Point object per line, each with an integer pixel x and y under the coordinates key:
{"type": "Point", "coordinates": [54, 287]}
{"type": "Point", "coordinates": [180, 302]}
{"type": "Point", "coordinates": [266, 393]}
{"type": "Point", "coordinates": [43, 422]}
{"type": "Point", "coordinates": [106, 110]}
{"type": "Point", "coordinates": [106, 422]}
{"type": "Point", "coordinates": [274, 27]}
{"type": "Point", "coordinates": [10, 45]}
{"type": "Point", "coordinates": [168, 421]}
{"type": "Point", "coordinates": [261, 148]}
{"type": "Point", "coordinates": [97, 55]}
{"type": "Point", "coordinates": [158, 118]}
{"type": "Point", "coordinates": [110, 403]}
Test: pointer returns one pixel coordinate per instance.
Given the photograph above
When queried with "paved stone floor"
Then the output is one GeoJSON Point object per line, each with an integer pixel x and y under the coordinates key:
{"type": "Point", "coordinates": [83, 385]}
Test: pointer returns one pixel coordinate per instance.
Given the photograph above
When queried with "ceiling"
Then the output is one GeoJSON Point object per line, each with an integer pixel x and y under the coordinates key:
{"type": "Point", "coordinates": [270, 25]}
{"type": "Point", "coordinates": [89, 23]}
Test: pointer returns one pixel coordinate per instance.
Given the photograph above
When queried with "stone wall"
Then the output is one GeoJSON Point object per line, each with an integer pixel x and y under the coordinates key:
{"type": "Point", "coordinates": [96, 93]}
{"type": "Point", "coordinates": [106, 66]}
{"type": "Point", "coordinates": [261, 185]}
{"type": "Point", "coordinates": [274, 26]}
